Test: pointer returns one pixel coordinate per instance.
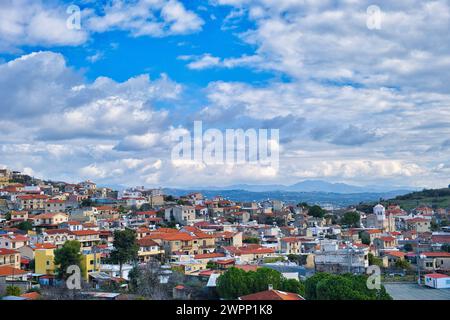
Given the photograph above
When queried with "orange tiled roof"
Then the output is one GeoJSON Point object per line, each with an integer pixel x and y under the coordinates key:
{"type": "Point", "coordinates": [272, 295]}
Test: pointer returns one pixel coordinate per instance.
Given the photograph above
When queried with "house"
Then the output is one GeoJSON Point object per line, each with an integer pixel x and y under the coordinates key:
{"type": "Point", "coordinates": [13, 241]}
{"type": "Point", "coordinates": [435, 261]}
{"type": "Point", "coordinates": [13, 276]}
{"type": "Point", "coordinates": [272, 294]}
{"type": "Point", "coordinates": [148, 249]}
{"type": "Point", "coordinates": [44, 261]}
{"type": "Point", "coordinates": [249, 252]}
{"type": "Point", "coordinates": [419, 224]}
{"type": "Point", "coordinates": [50, 219]}
{"type": "Point", "coordinates": [9, 257]}
{"type": "Point", "coordinates": [87, 238]}
{"type": "Point", "coordinates": [340, 259]}
{"type": "Point", "coordinates": [385, 242]}
{"type": "Point", "coordinates": [291, 245]}
{"type": "Point", "coordinates": [32, 202]}
{"type": "Point", "coordinates": [393, 257]}
{"type": "Point", "coordinates": [55, 205]}
{"type": "Point", "coordinates": [437, 281]}
{"type": "Point", "coordinates": [56, 237]}
{"type": "Point", "coordinates": [18, 216]}
{"type": "Point", "coordinates": [184, 215]}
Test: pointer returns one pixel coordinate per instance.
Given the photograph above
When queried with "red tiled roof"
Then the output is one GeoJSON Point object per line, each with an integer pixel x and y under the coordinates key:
{"type": "Point", "coordinates": [85, 232]}
{"type": "Point", "coordinates": [7, 251]}
{"type": "Point", "coordinates": [436, 275]}
{"type": "Point", "coordinates": [44, 246]}
{"type": "Point", "coordinates": [9, 271]}
{"type": "Point", "coordinates": [209, 255]}
{"type": "Point", "coordinates": [437, 254]}
{"type": "Point", "coordinates": [397, 254]}
{"type": "Point", "coordinates": [272, 295]}
{"type": "Point", "coordinates": [31, 295]}
{"type": "Point", "coordinates": [387, 238]}
{"type": "Point", "coordinates": [32, 197]}
{"type": "Point", "coordinates": [290, 239]}
{"type": "Point", "coordinates": [147, 242]}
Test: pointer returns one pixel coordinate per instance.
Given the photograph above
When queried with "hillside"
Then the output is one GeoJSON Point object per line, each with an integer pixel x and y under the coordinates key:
{"type": "Point", "coordinates": [437, 198]}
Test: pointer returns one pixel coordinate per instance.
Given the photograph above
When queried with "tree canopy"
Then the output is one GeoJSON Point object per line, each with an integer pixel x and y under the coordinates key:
{"type": "Point", "coordinates": [69, 254]}
{"type": "Point", "coordinates": [351, 219]}
{"type": "Point", "coordinates": [237, 282]}
{"type": "Point", "coordinates": [326, 286]}
{"type": "Point", "coordinates": [316, 211]}
{"type": "Point", "coordinates": [125, 247]}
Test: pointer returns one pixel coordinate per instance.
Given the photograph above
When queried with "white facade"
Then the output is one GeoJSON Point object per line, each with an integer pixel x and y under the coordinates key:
{"type": "Point", "coordinates": [437, 281]}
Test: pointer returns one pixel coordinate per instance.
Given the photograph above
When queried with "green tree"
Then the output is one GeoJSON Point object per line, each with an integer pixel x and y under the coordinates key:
{"type": "Point", "coordinates": [408, 247]}
{"type": "Point", "coordinates": [316, 211]}
{"type": "Point", "coordinates": [311, 285]}
{"type": "Point", "coordinates": [351, 219]}
{"type": "Point", "coordinates": [212, 265]}
{"type": "Point", "coordinates": [125, 247]}
{"type": "Point", "coordinates": [236, 282]}
{"type": "Point", "coordinates": [233, 284]}
{"type": "Point", "coordinates": [13, 291]}
{"type": "Point", "coordinates": [294, 286]}
{"type": "Point", "coordinates": [25, 226]}
{"type": "Point", "coordinates": [251, 240]}
{"type": "Point", "coordinates": [69, 254]}
{"type": "Point", "coordinates": [342, 287]}
{"type": "Point", "coordinates": [365, 238]}
{"type": "Point", "coordinates": [375, 261]}
{"type": "Point", "coordinates": [402, 264]}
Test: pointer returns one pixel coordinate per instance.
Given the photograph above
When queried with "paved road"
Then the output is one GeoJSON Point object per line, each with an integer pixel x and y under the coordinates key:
{"type": "Point", "coordinates": [412, 291]}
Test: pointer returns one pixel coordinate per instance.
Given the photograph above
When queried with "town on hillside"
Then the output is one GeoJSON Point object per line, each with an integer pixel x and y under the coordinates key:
{"type": "Point", "coordinates": [80, 241]}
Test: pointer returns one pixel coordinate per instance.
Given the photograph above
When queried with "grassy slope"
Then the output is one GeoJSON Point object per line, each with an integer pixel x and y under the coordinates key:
{"type": "Point", "coordinates": [439, 198]}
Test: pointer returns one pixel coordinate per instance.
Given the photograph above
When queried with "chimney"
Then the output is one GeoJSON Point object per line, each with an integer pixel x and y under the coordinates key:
{"type": "Point", "coordinates": [270, 287]}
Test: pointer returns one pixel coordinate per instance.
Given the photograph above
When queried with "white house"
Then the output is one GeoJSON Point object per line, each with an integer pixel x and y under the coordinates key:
{"type": "Point", "coordinates": [437, 281]}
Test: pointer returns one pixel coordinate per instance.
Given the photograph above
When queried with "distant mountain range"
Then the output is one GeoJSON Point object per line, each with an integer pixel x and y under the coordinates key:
{"type": "Point", "coordinates": [315, 186]}
{"type": "Point", "coordinates": [322, 198]}
{"type": "Point", "coordinates": [311, 191]}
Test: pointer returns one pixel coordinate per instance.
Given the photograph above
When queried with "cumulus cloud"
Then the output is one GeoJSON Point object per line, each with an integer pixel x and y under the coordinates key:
{"type": "Point", "coordinates": [45, 23]}
{"type": "Point", "coordinates": [146, 18]}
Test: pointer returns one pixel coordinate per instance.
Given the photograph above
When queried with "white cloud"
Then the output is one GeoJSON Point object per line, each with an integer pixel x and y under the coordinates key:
{"type": "Point", "coordinates": [34, 22]}
{"type": "Point", "coordinates": [146, 18]}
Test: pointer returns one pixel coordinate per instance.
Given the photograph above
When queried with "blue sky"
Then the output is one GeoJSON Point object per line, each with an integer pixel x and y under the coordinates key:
{"type": "Point", "coordinates": [353, 104]}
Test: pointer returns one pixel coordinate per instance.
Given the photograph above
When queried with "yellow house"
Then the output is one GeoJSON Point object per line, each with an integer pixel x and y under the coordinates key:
{"type": "Point", "coordinates": [90, 263]}
{"type": "Point", "coordinates": [44, 261]}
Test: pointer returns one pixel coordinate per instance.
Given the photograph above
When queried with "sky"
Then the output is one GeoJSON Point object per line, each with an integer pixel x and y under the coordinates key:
{"type": "Point", "coordinates": [353, 103]}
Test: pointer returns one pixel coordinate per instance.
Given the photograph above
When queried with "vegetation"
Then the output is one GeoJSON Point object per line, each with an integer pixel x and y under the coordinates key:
{"type": "Point", "coordinates": [25, 226]}
{"type": "Point", "coordinates": [402, 264]}
{"type": "Point", "coordinates": [13, 291]}
{"type": "Point", "coordinates": [67, 255]}
{"type": "Point", "coordinates": [300, 259]}
{"type": "Point", "coordinates": [351, 219]}
{"type": "Point", "coordinates": [408, 247]}
{"type": "Point", "coordinates": [316, 211]}
{"type": "Point", "coordinates": [326, 286]}
{"type": "Point", "coordinates": [125, 247]}
{"type": "Point", "coordinates": [251, 240]}
{"type": "Point", "coordinates": [375, 261]}
{"type": "Point", "coordinates": [365, 238]}
{"type": "Point", "coordinates": [237, 282]}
